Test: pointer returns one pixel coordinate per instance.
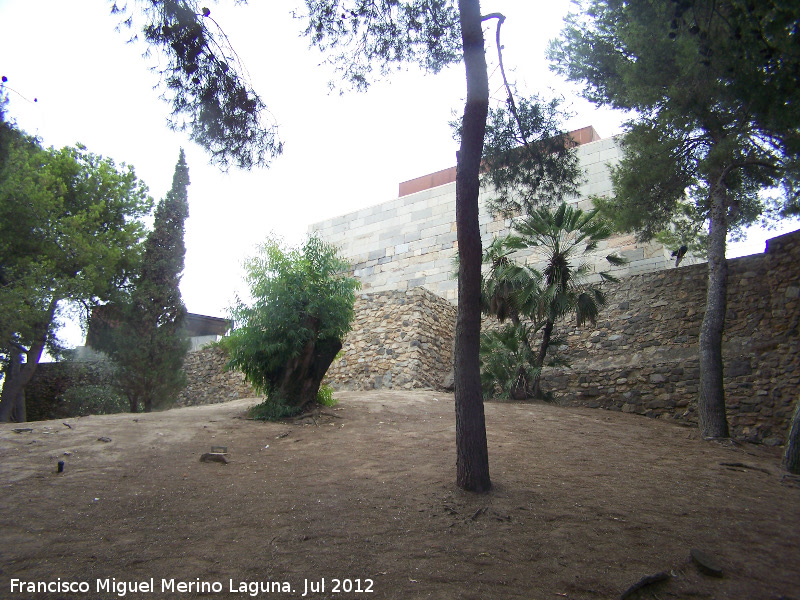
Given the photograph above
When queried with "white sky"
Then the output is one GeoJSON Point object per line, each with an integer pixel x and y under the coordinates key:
{"type": "Point", "coordinates": [342, 153]}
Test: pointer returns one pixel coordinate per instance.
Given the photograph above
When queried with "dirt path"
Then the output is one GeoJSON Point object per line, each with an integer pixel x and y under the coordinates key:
{"type": "Point", "coordinates": [586, 503]}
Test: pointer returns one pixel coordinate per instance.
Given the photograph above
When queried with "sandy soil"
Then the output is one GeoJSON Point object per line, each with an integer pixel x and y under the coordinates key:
{"type": "Point", "coordinates": [585, 504]}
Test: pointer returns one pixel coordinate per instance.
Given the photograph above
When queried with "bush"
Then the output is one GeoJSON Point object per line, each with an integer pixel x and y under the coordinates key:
{"type": "Point", "coordinates": [325, 396]}
{"type": "Point", "coordinates": [302, 308]}
{"type": "Point", "coordinates": [83, 400]}
{"type": "Point", "coordinates": [507, 361]}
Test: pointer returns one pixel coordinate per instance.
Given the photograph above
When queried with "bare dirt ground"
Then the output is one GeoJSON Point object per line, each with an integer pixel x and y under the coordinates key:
{"type": "Point", "coordinates": [585, 503]}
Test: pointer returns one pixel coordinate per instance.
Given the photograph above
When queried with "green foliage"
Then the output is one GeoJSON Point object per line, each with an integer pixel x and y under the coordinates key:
{"type": "Point", "coordinates": [716, 90]}
{"type": "Point", "coordinates": [386, 33]}
{"type": "Point", "coordinates": [301, 297]}
{"type": "Point", "coordinates": [83, 400]}
{"type": "Point", "coordinates": [70, 231]}
{"type": "Point", "coordinates": [273, 409]}
{"type": "Point", "coordinates": [535, 298]}
{"type": "Point", "coordinates": [325, 396]}
{"type": "Point", "coordinates": [530, 161]}
{"type": "Point", "coordinates": [507, 362]}
{"type": "Point", "coordinates": [147, 344]}
{"type": "Point", "coordinates": [205, 83]}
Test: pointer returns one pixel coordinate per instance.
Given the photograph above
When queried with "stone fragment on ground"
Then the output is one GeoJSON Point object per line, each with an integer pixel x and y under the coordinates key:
{"type": "Point", "coordinates": [706, 563]}
{"type": "Point", "coordinates": [214, 457]}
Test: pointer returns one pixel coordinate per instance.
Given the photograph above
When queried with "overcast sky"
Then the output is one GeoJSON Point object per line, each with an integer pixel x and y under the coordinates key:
{"type": "Point", "coordinates": [342, 153]}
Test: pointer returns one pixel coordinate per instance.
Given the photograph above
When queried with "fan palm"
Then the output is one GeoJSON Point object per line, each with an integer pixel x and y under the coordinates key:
{"type": "Point", "coordinates": [564, 236]}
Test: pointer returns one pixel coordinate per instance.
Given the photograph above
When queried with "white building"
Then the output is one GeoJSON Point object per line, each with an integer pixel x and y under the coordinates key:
{"type": "Point", "coordinates": [411, 241]}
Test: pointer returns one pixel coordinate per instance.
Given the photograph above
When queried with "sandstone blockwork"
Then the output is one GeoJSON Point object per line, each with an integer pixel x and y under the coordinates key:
{"type": "Point", "coordinates": [400, 340]}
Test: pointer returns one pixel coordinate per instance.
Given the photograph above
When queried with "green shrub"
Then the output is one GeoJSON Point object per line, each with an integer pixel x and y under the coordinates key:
{"type": "Point", "coordinates": [273, 409]}
{"type": "Point", "coordinates": [83, 400]}
{"type": "Point", "coordinates": [325, 396]}
{"type": "Point", "coordinates": [302, 308]}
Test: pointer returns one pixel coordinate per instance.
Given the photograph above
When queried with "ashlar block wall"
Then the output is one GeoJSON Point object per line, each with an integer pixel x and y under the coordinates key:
{"type": "Point", "coordinates": [411, 241]}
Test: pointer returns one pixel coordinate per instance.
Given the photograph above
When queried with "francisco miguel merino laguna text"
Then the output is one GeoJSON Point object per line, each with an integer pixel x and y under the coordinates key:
{"type": "Point", "coordinates": [251, 588]}
{"type": "Point", "coordinates": [122, 588]}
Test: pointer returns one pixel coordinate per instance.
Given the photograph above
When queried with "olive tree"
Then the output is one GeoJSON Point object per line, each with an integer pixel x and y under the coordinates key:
{"type": "Point", "coordinates": [302, 307]}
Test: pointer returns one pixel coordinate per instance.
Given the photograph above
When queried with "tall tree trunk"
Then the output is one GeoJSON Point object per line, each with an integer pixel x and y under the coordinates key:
{"type": "Point", "coordinates": [12, 401]}
{"type": "Point", "coordinates": [711, 402]}
{"type": "Point", "coordinates": [547, 333]}
{"type": "Point", "coordinates": [472, 455]}
{"type": "Point", "coordinates": [16, 396]}
{"type": "Point", "coordinates": [791, 457]}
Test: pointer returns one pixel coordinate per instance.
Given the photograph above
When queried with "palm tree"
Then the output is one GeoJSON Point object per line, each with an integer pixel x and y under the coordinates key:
{"type": "Point", "coordinates": [564, 236]}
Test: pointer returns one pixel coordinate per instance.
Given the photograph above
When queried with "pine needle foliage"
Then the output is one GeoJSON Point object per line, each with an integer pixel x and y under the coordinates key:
{"type": "Point", "coordinates": [204, 81]}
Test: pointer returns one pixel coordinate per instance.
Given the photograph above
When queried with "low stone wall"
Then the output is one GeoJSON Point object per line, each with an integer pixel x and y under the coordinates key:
{"type": "Point", "coordinates": [399, 340]}
{"type": "Point", "coordinates": [643, 355]}
{"type": "Point", "coordinates": [51, 380]}
{"type": "Point", "coordinates": [209, 382]}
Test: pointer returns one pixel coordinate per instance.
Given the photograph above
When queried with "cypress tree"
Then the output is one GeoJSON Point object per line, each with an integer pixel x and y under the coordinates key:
{"type": "Point", "coordinates": [148, 345]}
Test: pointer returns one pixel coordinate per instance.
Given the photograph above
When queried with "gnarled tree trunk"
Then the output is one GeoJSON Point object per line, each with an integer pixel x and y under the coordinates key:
{"type": "Point", "coordinates": [301, 378]}
{"type": "Point", "coordinates": [472, 456]}
{"type": "Point", "coordinates": [12, 401]}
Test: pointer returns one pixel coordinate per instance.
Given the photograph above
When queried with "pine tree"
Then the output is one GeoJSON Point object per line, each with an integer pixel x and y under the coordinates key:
{"type": "Point", "coordinates": [147, 345]}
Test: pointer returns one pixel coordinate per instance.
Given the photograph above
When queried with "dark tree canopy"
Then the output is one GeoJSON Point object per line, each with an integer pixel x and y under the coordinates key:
{"type": "Point", "coordinates": [70, 231]}
{"type": "Point", "coordinates": [205, 83]}
{"type": "Point", "coordinates": [716, 87]}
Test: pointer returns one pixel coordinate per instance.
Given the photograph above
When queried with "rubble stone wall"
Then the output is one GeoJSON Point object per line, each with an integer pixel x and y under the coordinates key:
{"type": "Point", "coordinates": [642, 356]}
{"type": "Point", "coordinates": [400, 340]}
{"type": "Point", "coordinates": [208, 381]}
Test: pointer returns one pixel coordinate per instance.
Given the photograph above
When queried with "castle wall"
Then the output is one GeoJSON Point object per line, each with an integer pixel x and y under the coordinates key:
{"type": "Point", "coordinates": [641, 357]}
{"type": "Point", "coordinates": [399, 340]}
{"type": "Point", "coordinates": [411, 241]}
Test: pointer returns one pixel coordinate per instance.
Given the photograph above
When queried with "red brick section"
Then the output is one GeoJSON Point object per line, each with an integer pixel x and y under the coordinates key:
{"type": "Point", "coordinates": [432, 180]}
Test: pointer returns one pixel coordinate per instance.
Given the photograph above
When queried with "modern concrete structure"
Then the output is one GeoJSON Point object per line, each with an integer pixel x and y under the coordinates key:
{"type": "Point", "coordinates": [411, 241]}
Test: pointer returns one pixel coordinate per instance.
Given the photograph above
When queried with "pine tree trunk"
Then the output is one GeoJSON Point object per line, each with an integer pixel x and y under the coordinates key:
{"type": "Point", "coordinates": [472, 456]}
{"type": "Point", "coordinates": [711, 402]}
{"type": "Point", "coordinates": [791, 458]}
{"type": "Point", "coordinates": [547, 333]}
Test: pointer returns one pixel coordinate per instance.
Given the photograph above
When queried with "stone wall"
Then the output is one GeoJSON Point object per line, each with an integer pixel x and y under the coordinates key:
{"type": "Point", "coordinates": [411, 241]}
{"type": "Point", "coordinates": [207, 380]}
{"type": "Point", "coordinates": [643, 355]}
{"type": "Point", "coordinates": [51, 380]}
{"type": "Point", "coordinates": [399, 340]}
